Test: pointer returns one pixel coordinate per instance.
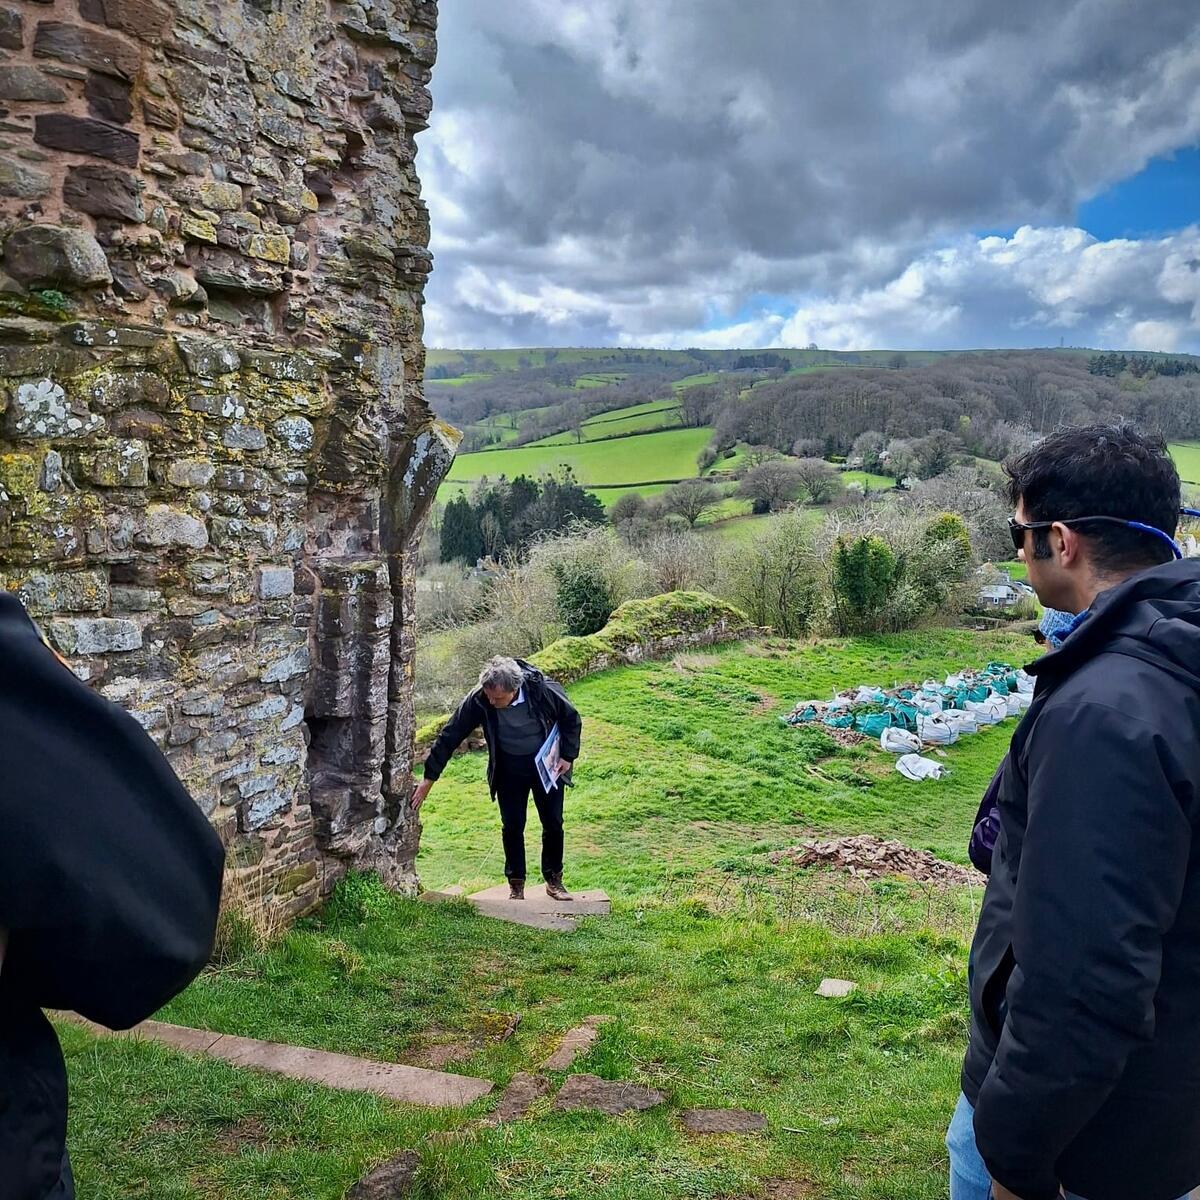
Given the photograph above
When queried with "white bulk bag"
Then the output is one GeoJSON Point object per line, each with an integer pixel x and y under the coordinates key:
{"type": "Point", "coordinates": [899, 741]}
{"type": "Point", "coordinates": [916, 768]}
{"type": "Point", "coordinates": [937, 731]}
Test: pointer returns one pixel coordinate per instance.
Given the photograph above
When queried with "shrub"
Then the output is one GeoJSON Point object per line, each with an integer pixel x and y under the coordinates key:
{"type": "Point", "coordinates": [774, 580]}
{"type": "Point", "coordinates": [864, 578]}
{"type": "Point", "coordinates": [584, 599]}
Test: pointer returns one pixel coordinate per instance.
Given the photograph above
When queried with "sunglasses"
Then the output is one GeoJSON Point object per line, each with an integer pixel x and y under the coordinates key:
{"type": "Point", "coordinates": [1017, 529]}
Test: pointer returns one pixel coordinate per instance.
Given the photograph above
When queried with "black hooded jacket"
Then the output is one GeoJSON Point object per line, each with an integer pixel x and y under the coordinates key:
{"type": "Point", "coordinates": [1084, 1059]}
{"type": "Point", "coordinates": [549, 702]}
{"type": "Point", "coordinates": [110, 880]}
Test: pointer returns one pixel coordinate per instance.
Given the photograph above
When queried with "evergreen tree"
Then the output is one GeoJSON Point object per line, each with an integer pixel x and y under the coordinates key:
{"type": "Point", "coordinates": [462, 538]}
{"type": "Point", "coordinates": [864, 574]}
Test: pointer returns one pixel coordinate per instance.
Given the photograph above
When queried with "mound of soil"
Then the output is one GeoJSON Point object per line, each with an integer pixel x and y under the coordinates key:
{"type": "Point", "coordinates": [869, 857]}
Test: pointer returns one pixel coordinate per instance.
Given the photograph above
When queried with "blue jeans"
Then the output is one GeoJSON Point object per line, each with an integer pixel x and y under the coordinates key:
{"type": "Point", "coordinates": [969, 1179]}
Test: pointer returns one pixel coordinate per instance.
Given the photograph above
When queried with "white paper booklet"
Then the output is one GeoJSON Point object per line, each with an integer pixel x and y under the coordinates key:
{"type": "Point", "coordinates": [547, 760]}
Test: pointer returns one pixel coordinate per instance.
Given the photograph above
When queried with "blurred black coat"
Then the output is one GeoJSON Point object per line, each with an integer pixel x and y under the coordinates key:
{"type": "Point", "coordinates": [110, 881]}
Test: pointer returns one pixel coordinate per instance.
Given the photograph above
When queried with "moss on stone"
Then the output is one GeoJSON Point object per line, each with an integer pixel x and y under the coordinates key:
{"type": "Point", "coordinates": [296, 878]}
{"type": "Point", "coordinates": [640, 623]}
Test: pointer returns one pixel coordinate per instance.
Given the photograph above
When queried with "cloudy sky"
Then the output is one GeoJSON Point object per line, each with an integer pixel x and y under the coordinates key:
{"type": "Point", "coordinates": [854, 173]}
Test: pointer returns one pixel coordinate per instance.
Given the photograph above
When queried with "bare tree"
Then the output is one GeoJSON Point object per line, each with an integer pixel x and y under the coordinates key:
{"type": "Point", "coordinates": [575, 416]}
{"type": "Point", "coordinates": [757, 455]}
{"type": "Point", "coordinates": [696, 404]}
{"type": "Point", "coordinates": [818, 480]}
{"type": "Point", "coordinates": [691, 499]}
{"type": "Point", "coordinates": [772, 484]}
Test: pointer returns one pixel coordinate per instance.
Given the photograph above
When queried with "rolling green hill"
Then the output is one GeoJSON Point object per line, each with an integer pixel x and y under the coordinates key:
{"type": "Point", "coordinates": [647, 458]}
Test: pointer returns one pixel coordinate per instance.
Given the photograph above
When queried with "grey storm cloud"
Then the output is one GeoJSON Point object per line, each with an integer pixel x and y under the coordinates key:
{"type": "Point", "coordinates": [616, 171]}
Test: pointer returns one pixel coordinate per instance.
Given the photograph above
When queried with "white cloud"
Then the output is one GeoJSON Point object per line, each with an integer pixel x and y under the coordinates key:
{"type": "Point", "coordinates": [1029, 289]}
{"type": "Point", "coordinates": [617, 171]}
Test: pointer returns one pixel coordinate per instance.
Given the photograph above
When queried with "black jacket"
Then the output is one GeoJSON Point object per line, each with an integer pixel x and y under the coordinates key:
{"type": "Point", "coordinates": [549, 702]}
{"type": "Point", "coordinates": [110, 880]}
{"type": "Point", "coordinates": [1084, 1061]}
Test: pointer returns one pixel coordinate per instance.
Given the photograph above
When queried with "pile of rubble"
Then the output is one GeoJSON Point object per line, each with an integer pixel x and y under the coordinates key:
{"type": "Point", "coordinates": [868, 857]}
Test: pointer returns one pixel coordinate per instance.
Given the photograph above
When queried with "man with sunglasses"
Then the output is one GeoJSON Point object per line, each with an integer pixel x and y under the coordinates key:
{"type": "Point", "coordinates": [1082, 1077]}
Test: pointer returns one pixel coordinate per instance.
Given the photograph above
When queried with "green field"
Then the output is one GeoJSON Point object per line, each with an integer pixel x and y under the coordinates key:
{"type": "Point", "coordinates": [638, 418]}
{"type": "Point", "coordinates": [600, 379]}
{"type": "Point", "coordinates": [1187, 459]}
{"type": "Point", "coordinates": [457, 380]}
{"type": "Point", "coordinates": [693, 380]}
{"type": "Point", "coordinates": [648, 458]}
{"type": "Point", "coordinates": [707, 969]}
{"type": "Point", "coordinates": [875, 483]}
{"type": "Point", "coordinates": [489, 361]}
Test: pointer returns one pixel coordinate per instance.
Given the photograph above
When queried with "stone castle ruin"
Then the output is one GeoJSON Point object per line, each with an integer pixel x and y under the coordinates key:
{"type": "Point", "coordinates": [215, 453]}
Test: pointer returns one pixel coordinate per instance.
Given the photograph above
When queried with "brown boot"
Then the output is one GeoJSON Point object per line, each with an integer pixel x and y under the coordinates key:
{"type": "Point", "coordinates": [555, 889]}
{"type": "Point", "coordinates": [516, 889]}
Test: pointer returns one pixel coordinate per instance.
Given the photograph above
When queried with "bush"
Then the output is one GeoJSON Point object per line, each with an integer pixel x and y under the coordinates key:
{"type": "Point", "coordinates": [864, 579]}
{"type": "Point", "coordinates": [774, 580]}
{"type": "Point", "coordinates": [583, 597]}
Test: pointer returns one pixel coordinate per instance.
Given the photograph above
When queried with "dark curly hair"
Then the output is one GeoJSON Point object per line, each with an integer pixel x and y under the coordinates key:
{"type": "Point", "coordinates": [1100, 471]}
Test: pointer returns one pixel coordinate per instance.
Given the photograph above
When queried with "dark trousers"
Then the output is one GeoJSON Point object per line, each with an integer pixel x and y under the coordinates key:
{"type": "Point", "coordinates": [514, 784]}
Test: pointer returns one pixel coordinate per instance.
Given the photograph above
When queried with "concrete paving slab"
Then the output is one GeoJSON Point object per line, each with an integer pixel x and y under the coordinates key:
{"type": "Point", "coordinates": [835, 989]}
{"type": "Point", "coordinates": [592, 903]}
{"type": "Point", "coordinates": [511, 911]}
{"type": "Point", "coordinates": [395, 1081]}
{"type": "Point", "coordinates": [519, 1097]}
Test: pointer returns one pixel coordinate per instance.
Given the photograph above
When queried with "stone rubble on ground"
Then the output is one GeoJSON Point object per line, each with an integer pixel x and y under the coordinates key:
{"type": "Point", "coordinates": [867, 857]}
{"type": "Point", "coordinates": [390, 1181]}
{"type": "Point", "coordinates": [609, 1096]}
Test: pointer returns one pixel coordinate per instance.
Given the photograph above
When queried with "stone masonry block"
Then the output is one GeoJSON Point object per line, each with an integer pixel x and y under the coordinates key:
{"type": "Point", "coordinates": [167, 526]}
{"type": "Point", "coordinates": [94, 635]}
{"type": "Point", "coordinates": [274, 583]}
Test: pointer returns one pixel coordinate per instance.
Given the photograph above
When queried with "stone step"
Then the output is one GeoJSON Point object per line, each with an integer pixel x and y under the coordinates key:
{"type": "Point", "coordinates": [395, 1081]}
{"type": "Point", "coordinates": [538, 909]}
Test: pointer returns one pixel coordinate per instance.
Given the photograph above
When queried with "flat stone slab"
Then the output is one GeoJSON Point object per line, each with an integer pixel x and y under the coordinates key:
{"type": "Point", "coordinates": [390, 1181]}
{"type": "Point", "coordinates": [575, 1042]}
{"type": "Point", "coordinates": [835, 989]}
{"type": "Point", "coordinates": [496, 903]}
{"type": "Point", "coordinates": [523, 1091]}
{"type": "Point", "coordinates": [395, 1081]}
{"type": "Point", "coordinates": [722, 1120]}
{"type": "Point", "coordinates": [512, 912]}
{"type": "Point", "coordinates": [606, 1095]}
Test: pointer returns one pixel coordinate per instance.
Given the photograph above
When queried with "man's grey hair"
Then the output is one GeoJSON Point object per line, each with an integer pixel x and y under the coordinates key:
{"type": "Point", "coordinates": [502, 673]}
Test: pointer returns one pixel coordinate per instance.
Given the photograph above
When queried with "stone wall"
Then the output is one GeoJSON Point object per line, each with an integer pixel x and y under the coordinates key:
{"type": "Point", "coordinates": [215, 453]}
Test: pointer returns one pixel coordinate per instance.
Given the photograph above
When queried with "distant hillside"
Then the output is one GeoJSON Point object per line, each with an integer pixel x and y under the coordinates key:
{"type": "Point", "coordinates": [444, 366]}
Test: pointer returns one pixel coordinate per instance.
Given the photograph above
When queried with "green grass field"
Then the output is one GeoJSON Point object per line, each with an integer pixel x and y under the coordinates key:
{"type": "Point", "coordinates": [1187, 460]}
{"type": "Point", "coordinates": [707, 968]}
{"type": "Point", "coordinates": [648, 458]}
{"type": "Point", "coordinates": [621, 422]}
{"type": "Point", "coordinates": [601, 379]}
{"type": "Point", "coordinates": [876, 483]}
{"type": "Point", "coordinates": [691, 381]}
